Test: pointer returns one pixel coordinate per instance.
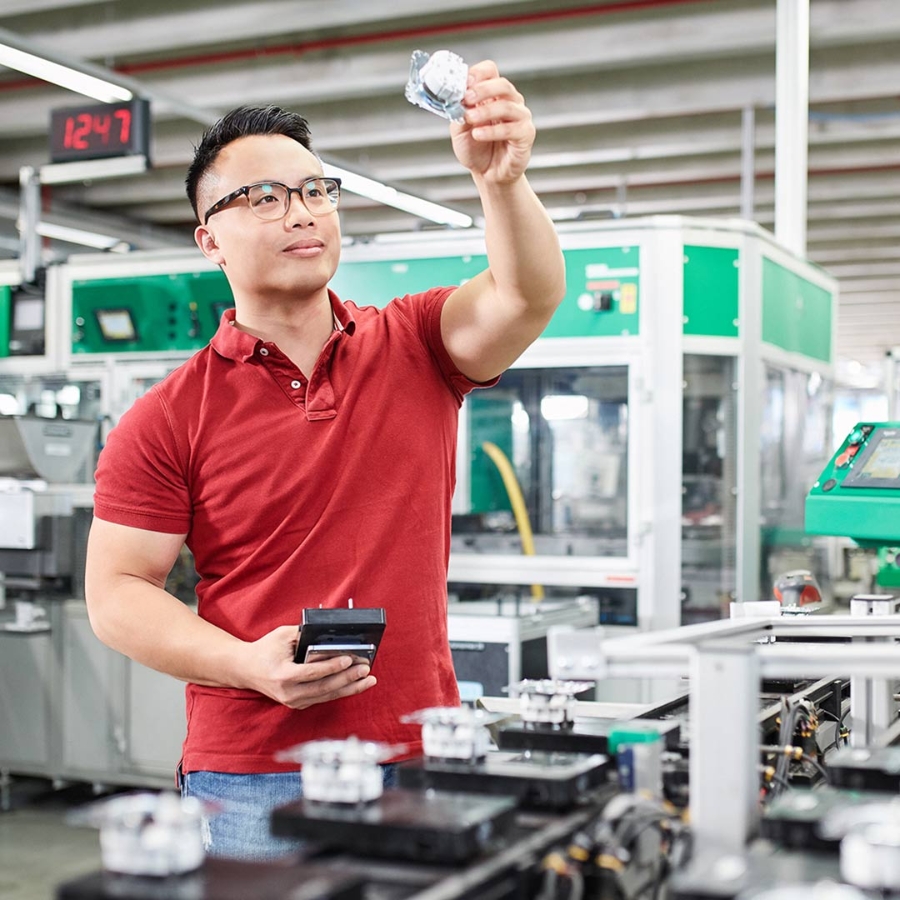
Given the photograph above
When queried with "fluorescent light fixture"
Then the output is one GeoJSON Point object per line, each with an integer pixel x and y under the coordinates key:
{"type": "Point", "coordinates": [77, 236]}
{"type": "Point", "coordinates": [64, 76]}
{"type": "Point", "coordinates": [92, 169]}
{"type": "Point", "coordinates": [382, 193]}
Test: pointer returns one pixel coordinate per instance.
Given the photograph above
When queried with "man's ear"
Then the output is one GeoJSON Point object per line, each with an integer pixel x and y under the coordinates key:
{"type": "Point", "coordinates": [208, 246]}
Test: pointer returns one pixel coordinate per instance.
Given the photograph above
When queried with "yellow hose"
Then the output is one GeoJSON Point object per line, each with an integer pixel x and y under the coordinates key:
{"type": "Point", "coordinates": [517, 501]}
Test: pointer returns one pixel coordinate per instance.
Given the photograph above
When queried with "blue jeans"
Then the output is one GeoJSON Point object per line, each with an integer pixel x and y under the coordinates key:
{"type": "Point", "coordinates": [241, 830]}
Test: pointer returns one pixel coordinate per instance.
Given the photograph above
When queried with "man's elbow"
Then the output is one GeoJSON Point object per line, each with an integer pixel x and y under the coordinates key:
{"type": "Point", "coordinates": [551, 296]}
{"type": "Point", "coordinates": [560, 293]}
{"type": "Point", "coordinates": [98, 616]}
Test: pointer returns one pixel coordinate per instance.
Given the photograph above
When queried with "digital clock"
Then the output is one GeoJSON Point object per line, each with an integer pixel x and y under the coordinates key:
{"type": "Point", "coordinates": [100, 131]}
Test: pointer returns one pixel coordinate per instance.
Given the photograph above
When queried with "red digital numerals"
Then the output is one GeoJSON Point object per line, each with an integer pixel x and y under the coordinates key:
{"type": "Point", "coordinates": [85, 131]}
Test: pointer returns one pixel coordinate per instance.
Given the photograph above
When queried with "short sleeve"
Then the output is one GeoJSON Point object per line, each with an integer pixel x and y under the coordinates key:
{"type": "Point", "coordinates": [140, 478]}
{"type": "Point", "coordinates": [424, 311]}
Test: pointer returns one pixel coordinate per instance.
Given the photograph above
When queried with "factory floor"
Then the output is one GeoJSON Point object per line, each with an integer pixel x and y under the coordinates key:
{"type": "Point", "coordinates": [38, 850]}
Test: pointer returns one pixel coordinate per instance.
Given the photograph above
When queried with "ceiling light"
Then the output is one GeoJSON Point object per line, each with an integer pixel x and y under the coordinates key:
{"type": "Point", "coordinates": [382, 193]}
{"type": "Point", "coordinates": [64, 76]}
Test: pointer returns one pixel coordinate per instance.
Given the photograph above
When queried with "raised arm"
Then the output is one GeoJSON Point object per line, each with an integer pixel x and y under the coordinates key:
{"type": "Point", "coordinates": [489, 321]}
{"type": "Point", "coordinates": [131, 612]}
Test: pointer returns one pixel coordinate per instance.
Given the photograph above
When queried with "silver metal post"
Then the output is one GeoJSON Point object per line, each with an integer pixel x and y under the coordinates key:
{"type": "Point", "coordinates": [748, 162]}
{"type": "Point", "coordinates": [890, 382]}
{"type": "Point", "coordinates": [29, 216]}
{"type": "Point", "coordinates": [791, 120]}
{"type": "Point", "coordinates": [871, 699]}
{"type": "Point", "coordinates": [724, 791]}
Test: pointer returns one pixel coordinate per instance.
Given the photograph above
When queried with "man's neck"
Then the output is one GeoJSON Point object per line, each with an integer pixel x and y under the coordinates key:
{"type": "Point", "coordinates": [300, 329]}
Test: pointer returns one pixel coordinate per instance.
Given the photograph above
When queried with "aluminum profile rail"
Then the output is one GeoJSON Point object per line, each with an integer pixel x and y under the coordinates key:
{"type": "Point", "coordinates": [724, 662]}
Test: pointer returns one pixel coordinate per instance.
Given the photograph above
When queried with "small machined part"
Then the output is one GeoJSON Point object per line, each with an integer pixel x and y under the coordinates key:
{"type": "Point", "coordinates": [437, 82]}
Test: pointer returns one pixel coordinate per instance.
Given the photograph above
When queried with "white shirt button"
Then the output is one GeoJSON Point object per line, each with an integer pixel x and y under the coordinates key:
{"type": "Point", "coordinates": [263, 351]}
{"type": "Point", "coordinates": [296, 384]}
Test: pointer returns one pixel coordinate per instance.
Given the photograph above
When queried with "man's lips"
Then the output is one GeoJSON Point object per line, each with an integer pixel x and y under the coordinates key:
{"type": "Point", "coordinates": [304, 248]}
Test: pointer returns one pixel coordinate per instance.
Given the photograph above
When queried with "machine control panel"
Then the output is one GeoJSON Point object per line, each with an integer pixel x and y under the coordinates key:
{"type": "Point", "coordinates": [858, 493]}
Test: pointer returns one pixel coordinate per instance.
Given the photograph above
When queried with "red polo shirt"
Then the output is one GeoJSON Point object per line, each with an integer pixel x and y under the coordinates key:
{"type": "Point", "coordinates": [298, 493]}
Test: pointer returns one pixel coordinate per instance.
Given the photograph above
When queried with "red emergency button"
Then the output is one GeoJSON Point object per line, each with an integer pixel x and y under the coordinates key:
{"type": "Point", "coordinates": [846, 456]}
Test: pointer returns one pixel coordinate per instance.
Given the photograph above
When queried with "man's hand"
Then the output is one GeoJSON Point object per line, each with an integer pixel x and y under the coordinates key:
{"type": "Point", "coordinates": [496, 138]}
{"type": "Point", "coordinates": [269, 668]}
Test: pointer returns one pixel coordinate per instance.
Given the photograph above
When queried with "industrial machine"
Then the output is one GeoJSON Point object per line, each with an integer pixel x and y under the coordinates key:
{"type": "Point", "coordinates": [46, 466]}
{"type": "Point", "coordinates": [779, 769]}
{"type": "Point", "coordinates": [704, 331]}
{"type": "Point", "coordinates": [858, 495]}
{"type": "Point", "coordinates": [618, 463]}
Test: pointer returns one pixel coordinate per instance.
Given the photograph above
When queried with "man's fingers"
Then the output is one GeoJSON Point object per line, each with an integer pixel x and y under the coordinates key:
{"type": "Point", "coordinates": [347, 690]}
{"type": "Point", "coordinates": [316, 671]}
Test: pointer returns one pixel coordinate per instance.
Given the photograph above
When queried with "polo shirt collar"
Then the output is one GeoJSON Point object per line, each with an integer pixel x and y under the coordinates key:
{"type": "Point", "coordinates": [232, 343]}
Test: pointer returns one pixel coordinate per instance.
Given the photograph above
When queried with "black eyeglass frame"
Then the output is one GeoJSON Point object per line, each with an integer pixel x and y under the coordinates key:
{"type": "Point", "coordinates": [219, 205]}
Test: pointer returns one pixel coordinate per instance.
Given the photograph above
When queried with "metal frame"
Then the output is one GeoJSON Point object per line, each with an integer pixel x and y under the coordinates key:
{"type": "Point", "coordinates": [654, 357]}
{"type": "Point", "coordinates": [724, 662]}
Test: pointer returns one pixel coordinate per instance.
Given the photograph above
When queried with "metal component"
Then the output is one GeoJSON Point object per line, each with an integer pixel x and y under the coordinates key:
{"type": "Point", "coordinates": [437, 83]}
{"type": "Point", "coordinates": [495, 644]}
{"type": "Point", "coordinates": [724, 692]}
{"type": "Point", "coordinates": [342, 772]}
{"type": "Point", "coordinates": [454, 732]}
{"type": "Point", "coordinates": [548, 702]}
{"type": "Point", "coordinates": [871, 700]}
{"type": "Point", "coordinates": [94, 169]}
{"type": "Point", "coordinates": [870, 857]}
{"type": "Point", "coordinates": [55, 450]}
{"type": "Point", "coordinates": [29, 215]}
{"type": "Point", "coordinates": [725, 661]}
{"type": "Point", "coordinates": [147, 834]}
{"type": "Point", "coordinates": [748, 167]}
{"type": "Point", "coordinates": [791, 123]}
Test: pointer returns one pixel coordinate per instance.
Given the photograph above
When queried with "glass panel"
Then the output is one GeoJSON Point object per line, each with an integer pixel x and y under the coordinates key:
{"type": "Point", "coordinates": [796, 442]}
{"type": "Point", "coordinates": [564, 433]}
{"type": "Point", "coordinates": [49, 397]}
{"type": "Point", "coordinates": [708, 513]}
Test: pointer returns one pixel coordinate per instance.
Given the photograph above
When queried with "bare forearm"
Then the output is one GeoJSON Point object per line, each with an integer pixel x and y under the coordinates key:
{"type": "Point", "coordinates": [524, 255]}
{"type": "Point", "coordinates": [157, 630]}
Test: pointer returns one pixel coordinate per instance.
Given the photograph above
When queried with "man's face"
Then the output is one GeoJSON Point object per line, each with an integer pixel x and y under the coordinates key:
{"type": "Point", "coordinates": [296, 254]}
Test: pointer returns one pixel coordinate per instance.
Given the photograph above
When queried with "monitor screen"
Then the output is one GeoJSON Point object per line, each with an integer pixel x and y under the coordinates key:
{"type": "Point", "coordinates": [884, 463]}
{"type": "Point", "coordinates": [116, 324]}
{"type": "Point", "coordinates": [878, 465]}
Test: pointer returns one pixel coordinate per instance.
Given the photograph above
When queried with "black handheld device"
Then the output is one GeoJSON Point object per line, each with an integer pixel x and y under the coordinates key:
{"type": "Point", "coordinates": [325, 633]}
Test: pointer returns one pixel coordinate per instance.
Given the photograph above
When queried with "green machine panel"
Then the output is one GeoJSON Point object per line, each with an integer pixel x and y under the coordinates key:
{"type": "Point", "coordinates": [711, 278]}
{"type": "Point", "coordinates": [490, 419]}
{"type": "Point", "coordinates": [377, 282]}
{"type": "Point", "coordinates": [601, 297]}
{"type": "Point", "coordinates": [858, 493]}
{"type": "Point", "coordinates": [5, 318]}
{"type": "Point", "coordinates": [148, 313]}
{"type": "Point", "coordinates": [181, 312]}
{"type": "Point", "coordinates": [796, 312]}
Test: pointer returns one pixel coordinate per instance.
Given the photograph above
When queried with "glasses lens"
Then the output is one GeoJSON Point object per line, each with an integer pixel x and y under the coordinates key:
{"type": "Point", "coordinates": [321, 195]}
{"type": "Point", "coordinates": [268, 201]}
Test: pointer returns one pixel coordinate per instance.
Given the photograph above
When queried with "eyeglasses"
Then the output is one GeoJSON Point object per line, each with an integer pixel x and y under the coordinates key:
{"type": "Point", "coordinates": [271, 200]}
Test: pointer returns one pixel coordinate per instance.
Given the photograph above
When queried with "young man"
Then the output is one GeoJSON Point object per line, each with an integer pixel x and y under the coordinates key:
{"type": "Point", "coordinates": [306, 456]}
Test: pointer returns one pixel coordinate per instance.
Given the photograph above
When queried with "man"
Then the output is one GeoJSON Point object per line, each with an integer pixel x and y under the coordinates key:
{"type": "Point", "coordinates": [307, 457]}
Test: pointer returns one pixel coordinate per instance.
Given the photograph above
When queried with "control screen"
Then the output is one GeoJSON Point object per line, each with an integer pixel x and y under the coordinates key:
{"type": "Point", "coordinates": [878, 465]}
{"type": "Point", "coordinates": [884, 462]}
{"type": "Point", "coordinates": [116, 324]}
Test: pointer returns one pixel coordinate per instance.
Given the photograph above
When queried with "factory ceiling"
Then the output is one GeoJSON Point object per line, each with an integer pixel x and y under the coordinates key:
{"type": "Point", "coordinates": [639, 108]}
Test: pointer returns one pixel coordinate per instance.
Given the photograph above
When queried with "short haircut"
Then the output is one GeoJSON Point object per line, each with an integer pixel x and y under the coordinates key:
{"type": "Point", "coordinates": [241, 122]}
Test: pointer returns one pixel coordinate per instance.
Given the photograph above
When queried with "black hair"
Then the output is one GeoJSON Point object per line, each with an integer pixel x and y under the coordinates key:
{"type": "Point", "coordinates": [242, 122]}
